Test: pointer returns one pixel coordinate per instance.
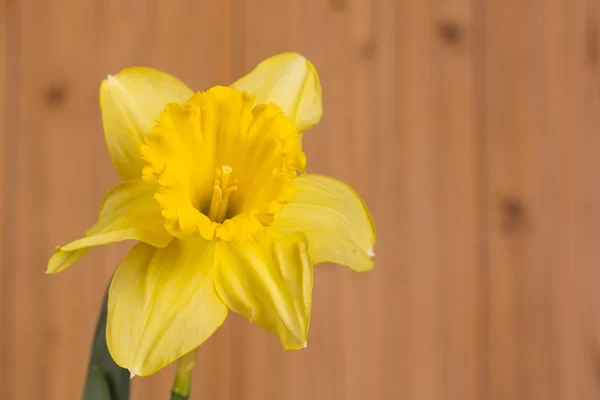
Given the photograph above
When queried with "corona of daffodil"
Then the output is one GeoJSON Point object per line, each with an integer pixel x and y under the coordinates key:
{"type": "Point", "coordinates": [214, 190]}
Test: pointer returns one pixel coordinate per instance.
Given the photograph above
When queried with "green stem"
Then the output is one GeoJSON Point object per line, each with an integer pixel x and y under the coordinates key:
{"type": "Point", "coordinates": [183, 377]}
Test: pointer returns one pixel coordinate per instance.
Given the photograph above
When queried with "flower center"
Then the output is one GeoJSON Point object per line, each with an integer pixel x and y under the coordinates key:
{"type": "Point", "coordinates": [220, 198]}
{"type": "Point", "coordinates": [222, 167]}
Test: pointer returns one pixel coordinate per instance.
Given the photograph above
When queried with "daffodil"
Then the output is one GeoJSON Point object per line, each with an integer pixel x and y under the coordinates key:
{"type": "Point", "coordinates": [214, 189]}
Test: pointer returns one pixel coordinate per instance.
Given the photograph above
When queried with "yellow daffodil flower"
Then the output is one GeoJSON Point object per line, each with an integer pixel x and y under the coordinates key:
{"type": "Point", "coordinates": [214, 190]}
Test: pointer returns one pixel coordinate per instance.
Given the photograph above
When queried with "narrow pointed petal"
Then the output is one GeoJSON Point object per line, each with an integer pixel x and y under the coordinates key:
{"type": "Point", "coordinates": [290, 81]}
{"type": "Point", "coordinates": [128, 212]}
{"type": "Point", "coordinates": [335, 220]}
{"type": "Point", "coordinates": [269, 283]}
{"type": "Point", "coordinates": [131, 102]}
{"type": "Point", "coordinates": [162, 304]}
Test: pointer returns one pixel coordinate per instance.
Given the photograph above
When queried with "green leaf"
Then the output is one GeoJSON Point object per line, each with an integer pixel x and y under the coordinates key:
{"type": "Point", "coordinates": [96, 387]}
{"type": "Point", "coordinates": [105, 379]}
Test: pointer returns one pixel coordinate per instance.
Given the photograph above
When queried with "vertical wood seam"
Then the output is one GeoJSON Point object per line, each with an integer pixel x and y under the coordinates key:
{"type": "Point", "coordinates": [11, 96]}
{"type": "Point", "coordinates": [479, 76]}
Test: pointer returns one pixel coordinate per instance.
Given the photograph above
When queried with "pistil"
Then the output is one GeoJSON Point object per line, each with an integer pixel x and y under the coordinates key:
{"type": "Point", "coordinates": [221, 192]}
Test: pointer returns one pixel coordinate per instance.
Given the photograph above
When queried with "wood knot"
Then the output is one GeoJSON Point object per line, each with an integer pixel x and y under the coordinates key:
{"type": "Point", "coordinates": [7, 5]}
{"type": "Point", "coordinates": [368, 50]}
{"type": "Point", "coordinates": [338, 5]}
{"type": "Point", "coordinates": [514, 216]}
{"type": "Point", "coordinates": [56, 95]}
{"type": "Point", "coordinates": [450, 32]}
{"type": "Point", "coordinates": [513, 208]}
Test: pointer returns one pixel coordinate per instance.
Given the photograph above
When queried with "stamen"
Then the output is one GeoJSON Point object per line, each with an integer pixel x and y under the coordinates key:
{"type": "Point", "coordinates": [215, 202]}
{"type": "Point", "coordinates": [221, 192]}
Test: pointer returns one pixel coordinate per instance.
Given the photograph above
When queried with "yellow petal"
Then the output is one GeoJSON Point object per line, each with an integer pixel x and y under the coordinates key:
{"type": "Point", "coordinates": [335, 220]}
{"type": "Point", "coordinates": [269, 283]}
{"type": "Point", "coordinates": [290, 81]}
{"type": "Point", "coordinates": [128, 212]}
{"type": "Point", "coordinates": [131, 102]}
{"type": "Point", "coordinates": [162, 304]}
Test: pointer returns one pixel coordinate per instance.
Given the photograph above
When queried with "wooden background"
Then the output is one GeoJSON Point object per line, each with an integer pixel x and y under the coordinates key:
{"type": "Point", "coordinates": [471, 128]}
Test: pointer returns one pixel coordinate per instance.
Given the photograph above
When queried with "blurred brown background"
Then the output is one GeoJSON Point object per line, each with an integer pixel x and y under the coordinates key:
{"type": "Point", "coordinates": [470, 127]}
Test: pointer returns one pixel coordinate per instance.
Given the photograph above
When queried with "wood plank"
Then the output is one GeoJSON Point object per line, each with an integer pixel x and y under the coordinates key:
{"type": "Point", "coordinates": [577, 280]}
{"type": "Point", "coordinates": [504, 138]}
{"type": "Point", "coordinates": [457, 115]}
{"type": "Point", "coordinates": [589, 186]}
{"type": "Point", "coordinates": [419, 247]}
{"type": "Point", "coordinates": [390, 205]}
{"type": "Point", "coordinates": [389, 208]}
{"type": "Point", "coordinates": [528, 140]}
{"type": "Point", "coordinates": [438, 153]}
{"type": "Point", "coordinates": [57, 114]}
{"type": "Point", "coordinates": [438, 149]}
{"type": "Point", "coordinates": [8, 69]}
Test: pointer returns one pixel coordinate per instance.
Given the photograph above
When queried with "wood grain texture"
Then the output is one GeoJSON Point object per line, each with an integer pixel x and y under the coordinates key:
{"type": "Point", "coordinates": [8, 43]}
{"type": "Point", "coordinates": [470, 127]}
